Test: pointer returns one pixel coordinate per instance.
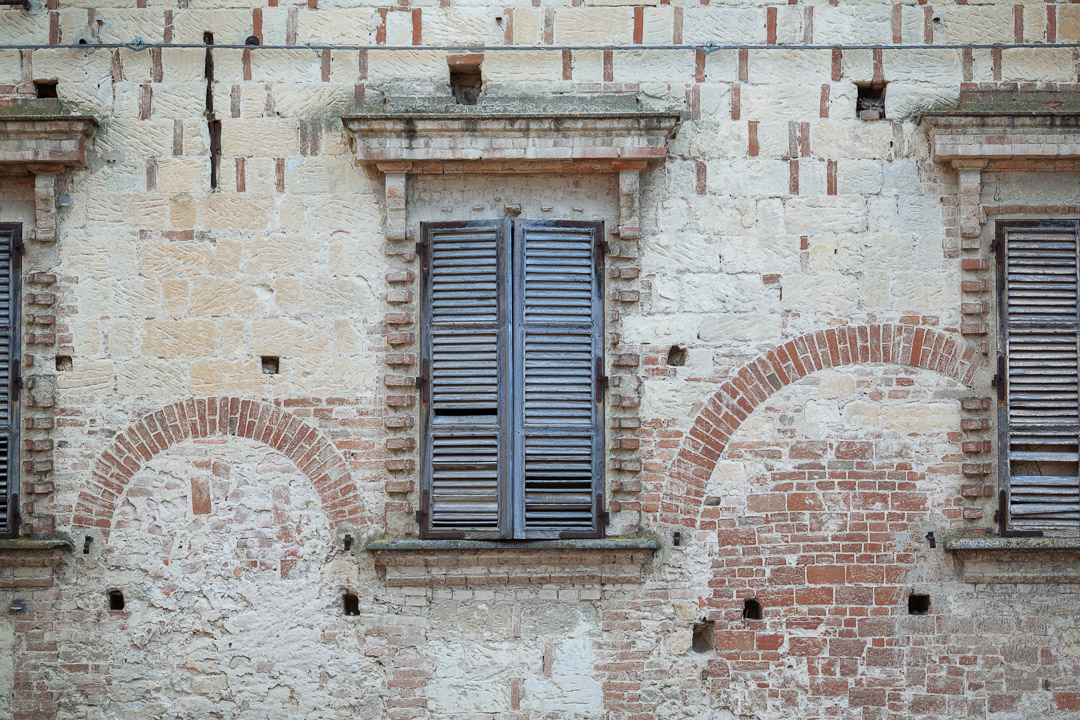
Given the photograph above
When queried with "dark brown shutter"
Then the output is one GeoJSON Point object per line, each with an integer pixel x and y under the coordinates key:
{"type": "Point", "coordinates": [466, 279]}
{"type": "Point", "coordinates": [1039, 324]}
{"type": "Point", "coordinates": [557, 346]}
{"type": "Point", "coordinates": [10, 246]}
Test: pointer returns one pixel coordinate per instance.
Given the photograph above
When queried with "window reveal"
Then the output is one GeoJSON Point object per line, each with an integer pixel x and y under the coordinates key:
{"type": "Point", "coordinates": [512, 378]}
{"type": "Point", "coordinates": [10, 263]}
{"type": "Point", "coordinates": [1039, 415]}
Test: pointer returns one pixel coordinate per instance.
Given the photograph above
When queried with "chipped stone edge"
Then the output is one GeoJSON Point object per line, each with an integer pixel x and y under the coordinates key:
{"type": "Point", "coordinates": [11, 545]}
{"type": "Point", "coordinates": [599, 544]}
{"type": "Point", "coordinates": [981, 543]}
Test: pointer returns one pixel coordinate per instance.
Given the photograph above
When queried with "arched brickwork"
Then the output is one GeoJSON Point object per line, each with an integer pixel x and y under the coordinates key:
{"type": "Point", "coordinates": [152, 434]}
{"type": "Point", "coordinates": [755, 382]}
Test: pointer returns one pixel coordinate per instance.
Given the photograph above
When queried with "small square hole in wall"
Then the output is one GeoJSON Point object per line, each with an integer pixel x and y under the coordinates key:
{"type": "Point", "coordinates": [751, 609]}
{"type": "Point", "coordinates": [63, 363]}
{"type": "Point", "coordinates": [270, 365]}
{"type": "Point", "coordinates": [704, 636]}
{"type": "Point", "coordinates": [350, 604]}
{"type": "Point", "coordinates": [870, 104]}
{"type": "Point", "coordinates": [918, 604]}
{"type": "Point", "coordinates": [676, 356]}
{"type": "Point", "coordinates": [466, 80]}
{"type": "Point", "coordinates": [45, 89]}
{"type": "Point", "coordinates": [116, 600]}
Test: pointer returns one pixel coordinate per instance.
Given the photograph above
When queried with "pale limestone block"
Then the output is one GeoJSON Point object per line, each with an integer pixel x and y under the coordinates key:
{"type": "Point", "coordinates": [7, 664]}
{"type": "Point", "coordinates": [309, 100]}
{"type": "Point", "coordinates": [658, 24]}
{"type": "Point", "coordinates": [728, 293]}
{"type": "Point", "coordinates": [747, 177]}
{"type": "Point", "coordinates": [107, 208]}
{"type": "Point", "coordinates": [670, 66]}
{"type": "Point", "coordinates": [936, 67]}
{"type": "Point", "coordinates": [1068, 23]}
{"type": "Point", "coordinates": [672, 214]}
{"type": "Point", "coordinates": [974, 23]}
{"type": "Point", "coordinates": [728, 476]}
{"type": "Point", "coordinates": [348, 337]}
{"type": "Point", "coordinates": [355, 294]}
{"type": "Point", "coordinates": [914, 290]}
{"type": "Point", "coordinates": [1069, 647]}
{"type": "Point", "coordinates": [261, 175]}
{"type": "Point", "coordinates": [721, 67]}
{"type": "Point", "coordinates": [137, 138]}
{"type": "Point", "coordinates": [861, 414]}
{"type": "Point", "coordinates": [282, 337]}
{"type": "Point", "coordinates": [280, 255]}
{"type": "Point", "coordinates": [182, 211]}
{"type": "Point", "coordinates": [135, 296]}
{"type": "Point", "coordinates": [843, 136]}
{"type": "Point", "coordinates": [19, 28]}
{"type": "Point", "coordinates": [510, 67]}
{"type": "Point", "coordinates": [266, 137]}
{"type": "Point", "coordinates": [588, 66]}
{"type": "Point", "coordinates": [174, 296]}
{"type": "Point", "coordinates": [858, 65]}
{"type": "Point", "coordinates": [741, 327]}
{"type": "Point", "coordinates": [858, 251]}
{"type": "Point", "coordinates": [73, 65]}
{"type": "Point", "coordinates": [244, 211]}
{"type": "Point", "coordinates": [789, 27]}
{"type": "Point", "coordinates": [166, 258]}
{"type": "Point", "coordinates": [919, 418]}
{"type": "Point", "coordinates": [215, 375]}
{"type": "Point", "coordinates": [123, 24]}
{"type": "Point", "coordinates": [1038, 65]}
{"type": "Point", "coordinates": [821, 291]}
{"type": "Point", "coordinates": [461, 26]}
{"type": "Point", "coordinates": [347, 214]}
{"type": "Point", "coordinates": [683, 252]}
{"type": "Point", "coordinates": [228, 26]}
{"type": "Point", "coordinates": [292, 212]}
{"type": "Point", "coordinates": [864, 177]}
{"type": "Point", "coordinates": [218, 296]}
{"type": "Point", "coordinates": [724, 25]}
{"type": "Point", "coordinates": [812, 176]}
{"type": "Point", "coordinates": [810, 67]}
{"type": "Point", "coordinates": [852, 24]}
{"type": "Point", "coordinates": [822, 412]}
{"type": "Point", "coordinates": [875, 284]}
{"type": "Point", "coordinates": [594, 26]}
{"type": "Point", "coordinates": [152, 211]}
{"type": "Point", "coordinates": [528, 26]}
{"type": "Point", "coordinates": [356, 255]}
{"type": "Point", "coordinates": [399, 28]}
{"type": "Point", "coordinates": [179, 100]}
{"type": "Point", "coordinates": [835, 384]}
{"type": "Point", "coordinates": [672, 399]}
{"type": "Point", "coordinates": [183, 338]}
{"type": "Point", "coordinates": [99, 256]}
{"type": "Point", "coordinates": [333, 376]}
{"type": "Point", "coordinates": [823, 252]}
{"type": "Point", "coordinates": [336, 25]}
{"type": "Point", "coordinates": [156, 378]}
{"type": "Point", "coordinates": [325, 176]}
{"type": "Point", "coordinates": [908, 99]}
{"type": "Point", "coordinates": [10, 73]}
{"type": "Point", "coordinates": [234, 338]}
{"type": "Point", "coordinates": [810, 216]}
{"type": "Point", "coordinates": [92, 376]}
{"type": "Point", "coordinates": [790, 100]}
{"type": "Point", "coordinates": [183, 174]}
{"type": "Point", "coordinates": [761, 253]}
{"type": "Point", "coordinates": [122, 338]}
{"type": "Point", "coordinates": [87, 98]}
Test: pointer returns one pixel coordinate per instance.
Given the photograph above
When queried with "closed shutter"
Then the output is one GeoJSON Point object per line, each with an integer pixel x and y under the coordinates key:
{"type": "Point", "coordinates": [1042, 423]}
{"type": "Point", "coordinates": [557, 351]}
{"type": "Point", "coordinates": [10, 245]}
{"type": "Point", "coordinates": [466, 271]}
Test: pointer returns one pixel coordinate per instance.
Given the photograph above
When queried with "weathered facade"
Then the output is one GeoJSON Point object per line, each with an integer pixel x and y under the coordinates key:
{"type": "Point", "coordinates": [221, 407]}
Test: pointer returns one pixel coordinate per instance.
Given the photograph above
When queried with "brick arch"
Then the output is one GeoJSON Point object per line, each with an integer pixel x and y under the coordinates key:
{"type": "Point", "coordinates": [753, 383]}
{"type": "Point", "coordinates": [153, 433]}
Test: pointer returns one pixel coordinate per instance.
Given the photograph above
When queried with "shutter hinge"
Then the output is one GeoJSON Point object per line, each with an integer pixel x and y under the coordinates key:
{"type": "Point", "coordinates": [18, 247]}
{"type": "Point", "coordinates": [601, 380]}
{"type": "Point", "coordinates": [421, 382]}
{"type": "Point", "coordinates": [997, 248]}
{"type": "Point", "coordinates": [421, 514]}
{"type": "Point", "coordinates": [16, 379]}
{"type": "Point", "coordinates": [999, 378]}
{"type": "Point", "coordinates": [420, 248]}
{"type": "Point", "coordinates": [600, 249]}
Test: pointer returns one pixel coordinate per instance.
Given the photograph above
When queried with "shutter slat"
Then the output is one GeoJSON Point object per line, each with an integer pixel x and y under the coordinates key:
{"type": "Point", "coordinates": [556, 348]}
{"type": "Point", "coordinates": [1040, 323]}
{"type": "Point", "coordinates": [9, 293]}
{"type": "Point", "coordinates": [465, 362]}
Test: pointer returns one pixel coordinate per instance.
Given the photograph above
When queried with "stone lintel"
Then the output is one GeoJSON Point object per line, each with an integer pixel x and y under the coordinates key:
{"type": "Point", "coordinates": [1003, 137]}
{"type": "Point", "coordinates": [503, 139]}
{"type": "Point", "coordinates": [1011, 560]}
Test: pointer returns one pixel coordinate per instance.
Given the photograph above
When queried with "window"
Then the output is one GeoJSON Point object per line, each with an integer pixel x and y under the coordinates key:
{"type": "Point", "coordinates": [1037, 377]}
{"type": "Point", "coordinates": [10, 257]}
{"type": "Point", "coordinates": [512, 380]}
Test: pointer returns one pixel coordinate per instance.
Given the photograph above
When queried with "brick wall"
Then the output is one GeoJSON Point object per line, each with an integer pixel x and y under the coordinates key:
{"type": "Point", "coordinates": [797, 346]}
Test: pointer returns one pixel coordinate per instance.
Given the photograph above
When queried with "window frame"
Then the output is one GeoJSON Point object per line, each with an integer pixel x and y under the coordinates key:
{"type": "Point", "coordinates": [1004, 433]}
{"type": "Point", "coordinates": [13, 232]}
{"type": "Point", "coordinates": [510, 413]}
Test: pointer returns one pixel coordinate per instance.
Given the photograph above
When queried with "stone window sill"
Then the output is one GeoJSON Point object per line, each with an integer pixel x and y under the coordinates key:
{"type": "Point", "coordinates": [15, 545]}
{"type": "Point", "coordinates": [466, 563]}
{"type": "Point", "coordinates": [1034, 560]}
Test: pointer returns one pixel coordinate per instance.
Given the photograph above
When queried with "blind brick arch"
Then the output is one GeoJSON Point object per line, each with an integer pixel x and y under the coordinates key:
{"type": "Point", "coordinates": [752, 384]}
{"type": "Point", "coordinates": [153, 433]}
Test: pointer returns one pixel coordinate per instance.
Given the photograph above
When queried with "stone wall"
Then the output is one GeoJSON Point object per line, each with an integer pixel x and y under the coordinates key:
{"type": "Point", "coordinates": [800, 392]}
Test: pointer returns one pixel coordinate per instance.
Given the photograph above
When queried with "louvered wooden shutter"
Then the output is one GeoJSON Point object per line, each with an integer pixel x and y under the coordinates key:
{"type": "Point", "coordinates": [466, 311]}
{"type": "Point", "coordinates": [1039, 324]}
{"type": "Point", "coordinates": [10, 245]}
{"type": "Point", "coordinates": [557, 351]}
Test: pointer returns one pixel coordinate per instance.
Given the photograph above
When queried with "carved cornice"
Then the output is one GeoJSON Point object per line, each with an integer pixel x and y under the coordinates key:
{"type": "Point", "coordinates": [1003, 136]}
{"type": "Point", "coordinates": [42, 142]}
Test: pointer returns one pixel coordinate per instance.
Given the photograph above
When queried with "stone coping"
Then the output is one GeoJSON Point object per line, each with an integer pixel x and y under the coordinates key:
{"type": "Point", "coordinates": [34, 544]}
{"type": "Point", "coordinates": [416, 545]}
{"type": "Point", "coordinates": [981, 543]}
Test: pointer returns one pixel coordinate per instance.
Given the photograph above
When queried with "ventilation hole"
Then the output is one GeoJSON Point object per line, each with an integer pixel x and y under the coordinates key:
{"type": "Point", "coordinates": [918, 604]}
{"type": "Point", "coordinates": [45, 89]}
{"type": "Point", "coordinates": [351, 604]}
{"type": "Point", "coordinates": [252, 40]}
{"type": "Point", "coordinates": [704, 636]}
{"type": "Point", "coordinates": [870, 104]}
{"type": "Point", "coordinates": [676, 356]}
{"type": "Point", "coordinates": [466, 83]}
{"type": "Point", "coordinates": [270, 365]}
{"type": "Point", "coordinates": [751, 609]}
{"type": "Point", "coordinates": [676, 538]}
{"type": "Point", "coordinates": [63, 363]}
{"type": "Point", "coordinates": [116, 600]}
